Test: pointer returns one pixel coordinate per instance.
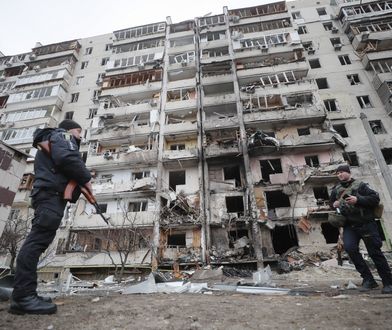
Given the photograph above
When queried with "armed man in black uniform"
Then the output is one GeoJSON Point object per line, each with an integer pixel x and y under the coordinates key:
{"type": "Point", "coordinates": [356, 201]}
{"type": "Point", "coordinates": [52, 173]}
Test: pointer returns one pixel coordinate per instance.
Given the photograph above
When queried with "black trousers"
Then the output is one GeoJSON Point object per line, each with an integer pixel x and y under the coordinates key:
{"type": "Point", "coordinates": [368, 232]}
{"type": "Point", "coordinates": [49, 210]}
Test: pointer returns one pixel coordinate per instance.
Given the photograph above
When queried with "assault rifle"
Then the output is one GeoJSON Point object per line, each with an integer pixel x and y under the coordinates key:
{"type": "Point", "coordinates": [72, 185]}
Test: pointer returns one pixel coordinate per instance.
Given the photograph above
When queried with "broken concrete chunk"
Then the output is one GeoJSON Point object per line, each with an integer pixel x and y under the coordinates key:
{"type": "Point", "coordinates": [208, 274]}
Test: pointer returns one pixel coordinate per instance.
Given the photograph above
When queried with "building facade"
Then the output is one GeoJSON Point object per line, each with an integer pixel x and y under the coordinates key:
{"type": "Point", "coordinates": [213, 140]}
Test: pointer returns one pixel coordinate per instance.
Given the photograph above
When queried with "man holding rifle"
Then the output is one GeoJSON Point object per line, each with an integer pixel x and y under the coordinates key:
{"type": "Point", "coordinates": [55, 166]}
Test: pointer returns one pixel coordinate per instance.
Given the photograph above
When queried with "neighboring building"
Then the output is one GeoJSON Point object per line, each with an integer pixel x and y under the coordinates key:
{"type": "Point", "coordinates": [214, 139]}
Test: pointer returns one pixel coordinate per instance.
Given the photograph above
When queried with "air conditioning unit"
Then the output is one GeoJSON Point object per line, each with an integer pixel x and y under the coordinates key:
{"type": "Point", "coordinates": [32, 56]}
{"type": "Point", "coordinates": [337, 46]}
{"type": "Point", "coordinates": [334, 30]}
{"type": "Point", "coordinates": [108, 155]}
{"type": "Point", "coordinates": [310, 50]}
{"type": "Point", "coordinates": [264, 48]}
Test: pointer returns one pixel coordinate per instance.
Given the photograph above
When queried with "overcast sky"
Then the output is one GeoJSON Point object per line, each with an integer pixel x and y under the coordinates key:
{"type": "Point", "coordinates": [24, 22]}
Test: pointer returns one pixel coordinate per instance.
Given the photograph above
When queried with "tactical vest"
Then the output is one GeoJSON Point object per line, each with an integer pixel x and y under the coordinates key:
{"type": "Point", "coordinates": [354, 214]}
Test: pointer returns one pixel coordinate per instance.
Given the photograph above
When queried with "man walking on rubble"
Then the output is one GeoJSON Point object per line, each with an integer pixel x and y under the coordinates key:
{"type": "Point", "coordinates": [52, 173]}
{"type": "Point", "coordinates": [356, 201]}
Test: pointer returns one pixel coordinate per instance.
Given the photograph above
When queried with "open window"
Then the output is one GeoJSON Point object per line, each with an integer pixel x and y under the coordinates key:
{"type": "Point", "coordinates": [232, 173]}
{"type": "Point", "coordinates": [176, 178]}
{"type": "Point", "coordinates": [235, 204]}
{"type": "Point", "coordinates": [270, 166]}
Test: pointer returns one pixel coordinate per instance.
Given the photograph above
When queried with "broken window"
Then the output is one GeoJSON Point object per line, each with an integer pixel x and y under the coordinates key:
{"type": "Point", "coordinates": [176, 178]}
{"type": "Point", "coordinates": [387, 153]}
{"type": "Point", "coordinates": [140, 45]}
{"type": "Point", "coordinates": [140, 31]}
{"type": "Point", "coordinates": [283, 238]}
{"type": "Point", "coordinates": [177, 239]}
{"type": "Point", "coordinates": [321, 195]}
{"type": "Point", "coordinates": [353, 79]}
{"type": "Point", "coordinates": [331, 105]}
{"type": "Point", "coordinates": [140, 175]}
{"type": "Point", "coordinates": [299, 100]}
{"type": "Point", "coordinates": [263, 102]}
{"type": "Point", "coordinates": [277, 198]}
{"type": "Point", "coordinates": [138, 60]}
{"type": "Point", "coordinates": [344, 60]}
{"type": "Point", "coordinates": [364, 101]}
{"type": "Point", "coordinates": [183, 58]}
{"type": "Point", "coordinates": [108, 47]}
{"type": "Point", "coordinates": [312, 161]}
{"type": "Point", "coordinates": [137, 206]}
{"type": "Point", "coordinates": [134, 78]}
{"type": "Point", "coordinates": [232, 173]}
{"type": "Point", "coordinates": [212, 20]}
{"type": "Point", "coordinates": [263, 26]}
{"type": "Point", "coordinates": [182, 94]}
{"type": "Point", "coordinates": [215, 52]}
{"type": "Point", "coordinates": [270, 166]}
{"type": "Point", "coordinates": [283, 77]}
{"type": "Point", "coordinates": [58, 47]}
{"type": "Point", "coordinates": [351, 158]}
{"type": "Point", "coordinates": [83, 65]}
{"type": "Point", "coordinates": [303, 131]}
{"type": "Point", "coordinates": [235, 204]}
{"type": "Point", "coordinates": [178, 146]}
{"type": "Point", "coordinates": [322, 83]}
{"type": "Point", "coordinates": [314, 63]}
{"type": "Point", "coordinates": [211, 36]}
{"type": "Point", "coordinates": [331, 233]}
{"type": "Point", "coordinates": [377, 127]}
{"type": "Point", "coordinates": [104, 61]}
{"type": "Point", "coordinates": [341, 129]}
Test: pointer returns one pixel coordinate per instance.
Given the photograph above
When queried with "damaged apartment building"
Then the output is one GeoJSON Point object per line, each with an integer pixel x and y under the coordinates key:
{"type": "Point", "coordinates": [216, 139]}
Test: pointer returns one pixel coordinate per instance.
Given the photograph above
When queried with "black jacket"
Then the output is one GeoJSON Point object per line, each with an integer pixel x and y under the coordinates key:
{"type": "Point", "coordinates": [362, 211]}
{"type": "Point", "coordinates": [65, 164]}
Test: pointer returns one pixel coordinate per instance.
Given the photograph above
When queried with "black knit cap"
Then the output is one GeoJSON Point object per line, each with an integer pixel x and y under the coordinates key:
{"type": "Point", "coordinates": [343, 168]}
{"type": "Point", "coordinates": [68, 124]}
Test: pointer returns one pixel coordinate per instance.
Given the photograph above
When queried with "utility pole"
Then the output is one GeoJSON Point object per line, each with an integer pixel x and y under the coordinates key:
{"type": "Point", "coordinates": [385, 172]}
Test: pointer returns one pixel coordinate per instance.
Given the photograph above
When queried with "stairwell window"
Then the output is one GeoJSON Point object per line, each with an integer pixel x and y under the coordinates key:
{"type": "Point", "coordinates": [344, 60]}
{"type": "Point", "coordinates": [353, 79]}
{"type": "Point", "coordinates": [322, 83]}
{"type": "Point", "coordinates": [74, 97]}
{"type": "Point", "coordinates": [364, 102]}
{"type": "Point", "coordinates": [302, 29]}
{"type": "Point", "coordinates": [331, 105]}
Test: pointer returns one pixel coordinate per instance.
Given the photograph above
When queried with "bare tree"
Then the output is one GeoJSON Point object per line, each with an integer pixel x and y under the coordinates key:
{"type": "Point", "coordinates": [15, 231]}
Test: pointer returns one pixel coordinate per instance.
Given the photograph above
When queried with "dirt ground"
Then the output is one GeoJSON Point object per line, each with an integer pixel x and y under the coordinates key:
{"type": "Point", "coordinates": [318, 300]}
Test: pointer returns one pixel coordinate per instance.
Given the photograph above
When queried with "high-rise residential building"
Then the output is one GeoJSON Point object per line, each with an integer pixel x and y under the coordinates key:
{"type": "Point", "coordinates": [213, 140]}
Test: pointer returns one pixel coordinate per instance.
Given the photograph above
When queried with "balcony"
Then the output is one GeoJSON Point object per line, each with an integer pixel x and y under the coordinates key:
{"type": "Point", "coordinates": [121, 131]}
{"type": "Point", "coordinates": [181, 127]}
{"type": "Point", "coordinates": [138, 33]}
{"type": "Point", "coordinates": [128, 110]}
{"type": "Point", "coordinates": [218, 99]}
{"type": "Point", "coordinates": [301, 144]}
{"type": "Point", "coordinates": [180, 155]}
{"type": "Point", "coordinates": [122, 160]}
{"type": "Point", "coordinates": [60, 49]}
{"type": "Point", "coordinates": [98, 259]}
{"type": "Point", "coordinates": [212, 123]}
{"type": "Point", "coordinates": [145, 218]}
{"type": "Point", "coordinates": [373, 41]}
{"type": "Point", "coordinates": [108, 188]}
{"type": "Point", "coordinates": [300, 115]}
{"type": "Point", "coordinates": [229, 148]}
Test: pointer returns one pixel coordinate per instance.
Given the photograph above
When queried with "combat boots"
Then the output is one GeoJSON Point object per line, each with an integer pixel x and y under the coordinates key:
{"type": "Point", "coordinates": [32, 305]}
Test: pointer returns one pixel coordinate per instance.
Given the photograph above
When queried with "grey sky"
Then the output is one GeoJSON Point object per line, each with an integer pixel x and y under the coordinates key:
{"type": "Point", "coordinates": [24, 22]}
